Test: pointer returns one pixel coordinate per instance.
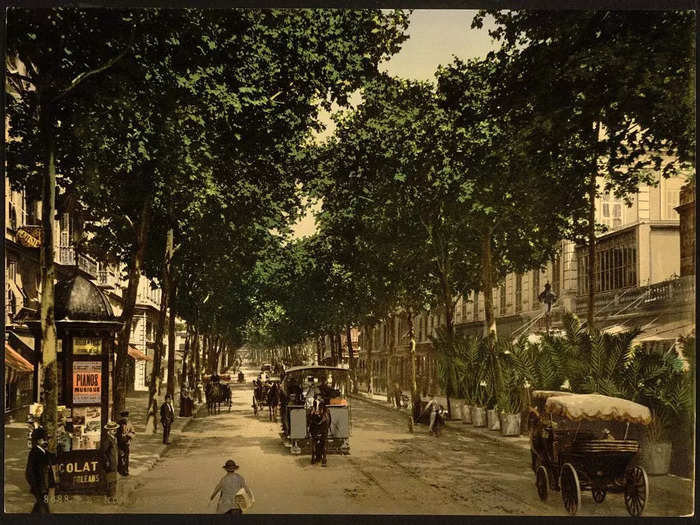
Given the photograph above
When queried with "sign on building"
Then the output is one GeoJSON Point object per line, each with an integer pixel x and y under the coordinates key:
{"type": "Point", "coordinates": [81, 472]}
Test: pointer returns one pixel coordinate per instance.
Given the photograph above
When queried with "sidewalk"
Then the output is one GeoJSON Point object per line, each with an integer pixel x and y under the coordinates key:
{"type": "Point", "coordinates": [455, 425]}
{"type": "Point", "coordinates": [146, 450]}
{"type": "Point", "coordinates": [670, 487]}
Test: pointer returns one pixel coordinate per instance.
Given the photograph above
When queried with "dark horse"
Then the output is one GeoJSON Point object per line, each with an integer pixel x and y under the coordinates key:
{"type": "Point", "coordinates": [217, 393]}
{"type": "Point", "coordinates": [273, 400]}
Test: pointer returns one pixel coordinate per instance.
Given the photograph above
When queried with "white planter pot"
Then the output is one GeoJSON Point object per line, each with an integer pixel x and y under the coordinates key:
{"type": "Point", "coordinates": [492, 419]}
{"type": "Point", "coordinates": [479, 416]}
{"type": "Point", "coordinates": [510, 424]}
{"type": "Point", "coordinates": [466, 414]}
{"type": "Point", "coordinates": [656, 458]}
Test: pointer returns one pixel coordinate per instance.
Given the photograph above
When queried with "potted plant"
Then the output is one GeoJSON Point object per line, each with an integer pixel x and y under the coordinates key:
{"type": "Point", "coordinates": [656, 452]}
{"type": "Point", "coordinates": [469, 375]}
{"type": "Point", "coordinates": [509, 402]}
{"type": "Point", "coordinates": [481, 400]}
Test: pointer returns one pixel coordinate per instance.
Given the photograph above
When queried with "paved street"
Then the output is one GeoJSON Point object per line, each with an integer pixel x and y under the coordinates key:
{"type": "Point", "coordinates": [389, 471]}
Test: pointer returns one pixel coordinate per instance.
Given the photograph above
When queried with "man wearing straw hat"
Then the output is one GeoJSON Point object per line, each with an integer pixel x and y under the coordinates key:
{"type": "Point", "coordinates": [228, 486]}
{"type": "Point", "coordinates": [111, 456]}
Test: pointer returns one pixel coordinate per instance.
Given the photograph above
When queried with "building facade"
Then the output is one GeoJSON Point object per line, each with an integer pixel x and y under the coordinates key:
{"type": "Point", "coordinates": [638, 284]}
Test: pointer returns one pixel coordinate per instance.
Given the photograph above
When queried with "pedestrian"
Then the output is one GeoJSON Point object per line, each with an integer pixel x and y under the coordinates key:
{"type": "Point", "coordinates": [228, 487]}
{"type": "Point", "coordinates": [397, 395]}
{"type": "Point", "coordinates": [39, 471]}
{"type": "Point", "coordinates": [110, 453]}
{"type": "Point", "coordinates": [125, 434]}
{"type": "Point", "coordinates": [167, 416]}
{"type": "Point", "coordinates": [320, 423]}
{"type": "Point", "coordinates": [432, 408]}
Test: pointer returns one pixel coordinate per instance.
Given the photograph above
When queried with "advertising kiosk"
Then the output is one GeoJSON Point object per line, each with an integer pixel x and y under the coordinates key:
{"type": "Point", "coordinates": [85, 326]}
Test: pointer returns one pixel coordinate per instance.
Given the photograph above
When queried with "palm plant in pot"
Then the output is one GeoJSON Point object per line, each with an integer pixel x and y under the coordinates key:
{"type": "Point", "coordinates": [469, 376]}
{"type": "Point", "coordinates": [509, 397]}
{"type": "Point", "coordinates": [660, 382]}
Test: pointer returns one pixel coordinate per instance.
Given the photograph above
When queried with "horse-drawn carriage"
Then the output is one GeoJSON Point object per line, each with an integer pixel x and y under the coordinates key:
{"type": "Point", "coordinates": [266, 393]}
{"type": "Point", "coordinates": [588, 442]}
{"type": "Point", "coordinates": [300, 387]}
{"type": "Point", "coordinates": [217, 392]}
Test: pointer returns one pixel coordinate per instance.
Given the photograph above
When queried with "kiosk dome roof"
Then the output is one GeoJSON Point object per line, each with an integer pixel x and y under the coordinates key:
{"type": "Point", "coordinates": [78, 299]}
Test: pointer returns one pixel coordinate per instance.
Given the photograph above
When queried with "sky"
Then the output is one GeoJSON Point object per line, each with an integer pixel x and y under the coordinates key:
{"type": "Point", "coordinates": [435, 35]}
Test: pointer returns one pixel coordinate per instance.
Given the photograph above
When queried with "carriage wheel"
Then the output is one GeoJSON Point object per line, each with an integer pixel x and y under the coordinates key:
{"type": "Point", "coordinates": [598, 495]}
{"type": "Point", "coordinates": [636, 491]}
{"type": "Point", "coordinates": [570, 489]}
{"type": "Point", "coordinates": [542, 482]}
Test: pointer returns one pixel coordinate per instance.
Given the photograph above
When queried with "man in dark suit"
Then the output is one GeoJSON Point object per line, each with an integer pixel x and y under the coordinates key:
{"type": "Point", "coordinates": [39, 473]}
{"type": "Point", "coordinates": [167, 416]}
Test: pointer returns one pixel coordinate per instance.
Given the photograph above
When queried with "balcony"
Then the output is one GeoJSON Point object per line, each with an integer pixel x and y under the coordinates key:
{"type": "Point", "coordinates": [66, 256]}
{"type": "Point", "coordinates": [674, 292]}
{"type": "Point", "coordinates": [107, 277]}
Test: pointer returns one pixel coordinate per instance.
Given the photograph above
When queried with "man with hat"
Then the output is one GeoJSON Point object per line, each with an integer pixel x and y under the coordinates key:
{"type": "Point", "coordinates": [167, 416]}
{"type": "Point", "coordinates": [39, 473]}
{"type": "Point", "coordinates": [110, 452]}
{"type": "Point", "coordinates": [125, 434]}
{"type": "Point", "coordinates": [228, 486]}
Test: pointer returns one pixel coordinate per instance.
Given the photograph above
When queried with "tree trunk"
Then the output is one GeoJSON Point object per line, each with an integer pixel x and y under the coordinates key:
{"type": "Point", "coordinates": [487, 285]}
{"type": "Point", "coordinates": [415, 398]}
{"type": "Point", "coordinates": [129, 302]}
{"type": "Point", "coordinates": [353, 360]}
{"type": "Point", "coordinates": [591, 252]}
{"type": "Point", "coordinates": [370, 362]}
{"type": "Point", "coordinates": [490, 318]}
{"type": "Point", "coordinates": [389, 355]}
{"type": "Point", "coordinates": [197, 369]}
{"type": "Point", "coordinates": [185, 358]}
{"type": "Point", "coordinates": [48, 276]}
{"type": "Point", "coordinates": [170, 389]}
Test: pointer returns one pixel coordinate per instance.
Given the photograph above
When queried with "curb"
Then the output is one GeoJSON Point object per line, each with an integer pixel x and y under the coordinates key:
{"type": "Point", "coordinates": [451, 425]}
{"type": "Point", "coordinates": [130, 485]}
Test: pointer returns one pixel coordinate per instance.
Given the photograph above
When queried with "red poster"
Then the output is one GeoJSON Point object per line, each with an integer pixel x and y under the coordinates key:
{"type": "Point", "coordinates": [87, 382]}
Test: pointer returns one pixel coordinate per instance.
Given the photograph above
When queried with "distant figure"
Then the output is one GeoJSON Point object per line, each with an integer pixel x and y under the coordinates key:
{"type": "Point", "coordinates": [167, 416]}
{"type": "Point", "coordinates": [397, 395]}
{"type": "Point", "coordinates": [433, 408]}
{"type": "Point", "coordinates": [547, 297]}
{"type": "Point", "coordinates": [39, 473]}
{"type": "Point", "coordinates": [110, 453]}
{"type": "Point", "coordinates": [229, 486]}
{"type": "Point", "coordinates": [125, 434]}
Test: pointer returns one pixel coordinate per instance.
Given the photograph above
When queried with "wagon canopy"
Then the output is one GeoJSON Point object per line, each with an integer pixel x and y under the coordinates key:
{"type": "Point", "coordinates": [546, 394]}
{"type": "Point", "coordinates": [592, 407]}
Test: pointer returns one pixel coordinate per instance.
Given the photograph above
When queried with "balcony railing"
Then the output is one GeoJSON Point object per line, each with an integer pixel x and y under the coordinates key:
{"type": "Point", "coordinates": [673, 292]}
{"type": "Point", "coordinates": [66, 256]}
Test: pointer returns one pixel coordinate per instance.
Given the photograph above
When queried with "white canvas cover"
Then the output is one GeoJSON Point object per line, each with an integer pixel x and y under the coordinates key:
{"type": "Point", "coordinates": [587, 407]}
{"type": "Point", "coordinates": [540, 394]}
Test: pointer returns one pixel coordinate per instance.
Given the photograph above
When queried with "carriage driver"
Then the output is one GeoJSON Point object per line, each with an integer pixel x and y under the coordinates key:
{"type": "Point", "coordinates": [310, 393]}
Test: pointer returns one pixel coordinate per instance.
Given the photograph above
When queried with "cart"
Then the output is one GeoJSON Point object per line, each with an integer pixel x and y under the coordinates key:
{"type": "Point", "coordinates": [295, 411]}
{"type": "Point", "coordinates": [588, 442]}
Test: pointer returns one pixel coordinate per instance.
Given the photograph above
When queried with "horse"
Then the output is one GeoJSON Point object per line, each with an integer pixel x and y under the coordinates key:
{"type": "Point", "coordinates": [214, 395]}
{"type": "Point", "coordinates": [273, 399]}
{"type": "Point", "coordinates": [225, 391]}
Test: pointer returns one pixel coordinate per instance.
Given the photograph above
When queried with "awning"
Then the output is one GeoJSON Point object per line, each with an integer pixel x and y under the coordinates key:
{"type": "Point", "coordinates": [15, 364]}
{"type": "Point", "coordinates": [138, 354]}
